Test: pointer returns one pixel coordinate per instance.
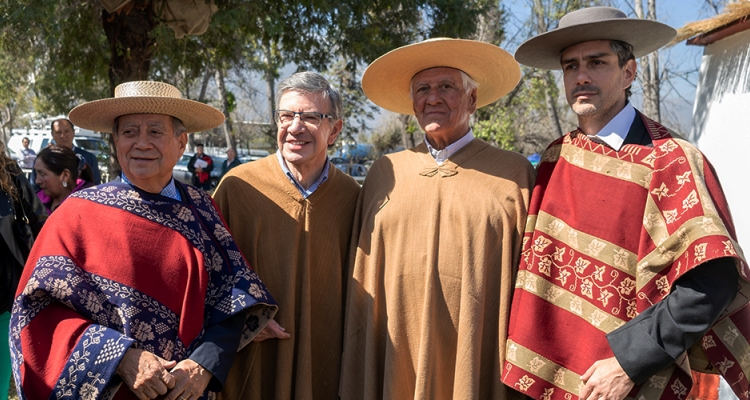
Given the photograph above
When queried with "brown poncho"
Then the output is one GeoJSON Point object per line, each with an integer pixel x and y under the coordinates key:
{"type": "Point", "coordinates": [298, 246]}
{"type": "Point", "coordinates": [434, 256]}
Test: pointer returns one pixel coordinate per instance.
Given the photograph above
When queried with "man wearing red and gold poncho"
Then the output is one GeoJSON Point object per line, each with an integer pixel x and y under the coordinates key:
{"type": "Point", "coordinates": [630, 272]}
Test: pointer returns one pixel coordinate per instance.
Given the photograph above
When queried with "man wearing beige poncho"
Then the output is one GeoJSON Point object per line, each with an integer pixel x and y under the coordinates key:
{"type": "Point", "coordinates": [291, 214]}
{"type": "Point", "coordinates": [437, 234]}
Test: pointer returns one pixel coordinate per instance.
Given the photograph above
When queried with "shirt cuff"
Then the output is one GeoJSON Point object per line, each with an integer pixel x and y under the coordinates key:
{"type": "Point", "coordinates": [216, 353]}
{"type": "Point", "coordinates": [639, 355]}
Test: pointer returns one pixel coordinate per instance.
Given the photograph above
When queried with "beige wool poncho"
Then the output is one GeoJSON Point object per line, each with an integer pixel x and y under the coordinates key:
{"type": "Point", "coordinates": [435, 252]}
{"type": "Point", "coordinates": [298, 246]}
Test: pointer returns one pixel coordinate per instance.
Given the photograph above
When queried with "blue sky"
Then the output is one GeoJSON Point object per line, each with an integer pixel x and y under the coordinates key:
{"type": "Point", "coordinates": [683, 61]}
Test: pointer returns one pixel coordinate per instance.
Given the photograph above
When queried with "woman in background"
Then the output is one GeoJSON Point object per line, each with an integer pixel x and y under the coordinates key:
{"type": "Point", "coordinates": [57, 174]}
{"type": "Point", "coordinates": [21, 214]}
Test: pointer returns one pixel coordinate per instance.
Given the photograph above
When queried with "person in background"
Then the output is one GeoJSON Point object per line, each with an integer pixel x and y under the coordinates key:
{"type": "Point", "coordinates": [57, 176]}
{"type": "Point", "coordinates": [630, 267]}
{"type": "Point", "coordinates": [201, 165]}
{"type": "Point", "coordinates": [135, 288]}
{"type": "Point", "coordinates": [231, 161]}
{"type": "Point", "coordinates": [21, 216]}
{"type": "Point", "coordinates": [63, 132]}
{"type": "Point", "coordinates": [28, 154]}
{"type": "Point", "coordinates": [292, 214]}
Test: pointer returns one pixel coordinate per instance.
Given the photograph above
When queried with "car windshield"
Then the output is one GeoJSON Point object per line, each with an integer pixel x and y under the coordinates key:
{"type": "Point", "coordinates": [184, 160]}
{"type": "Point", "coordinates": [90, 144]}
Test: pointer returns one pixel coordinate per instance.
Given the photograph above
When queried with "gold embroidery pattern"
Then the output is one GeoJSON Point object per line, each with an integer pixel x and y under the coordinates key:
{"type": "Point", "coordinates": [544, 368]}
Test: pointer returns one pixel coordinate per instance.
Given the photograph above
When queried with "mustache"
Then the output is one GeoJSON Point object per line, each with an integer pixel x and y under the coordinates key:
{"type": "Point", "coordinates": [585, 88]}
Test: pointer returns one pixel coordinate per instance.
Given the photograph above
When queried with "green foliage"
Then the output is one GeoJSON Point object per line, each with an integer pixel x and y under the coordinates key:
{"type": "Point", "coordinates": [357, 109]}
{"type": "Point", "coordinates": [385, 140]}
{"type": "Point", "coordinates": [231, 101]}
{"type": "Point", "coordinates": [66, 44]}
{"type": "Point", "coordinates": [497, 126]}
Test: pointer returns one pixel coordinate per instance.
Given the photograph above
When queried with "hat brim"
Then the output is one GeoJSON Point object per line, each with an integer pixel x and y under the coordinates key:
{"type": "Point", "coordinates": [543, 51]}
{"type": "Point", "coordinates": [99, 115]}
{"type": "Point", "coordinates": [387, 81]}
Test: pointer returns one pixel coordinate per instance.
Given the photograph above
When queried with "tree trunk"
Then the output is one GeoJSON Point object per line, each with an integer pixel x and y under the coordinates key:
{"type": "Point", "coordinates": [227, 126]}
{"type": "Point", "coordinates": [131, 47]}
{"type": "Point", "coordinates": [270, 76]}
{"type": "Point", "coordinates": [649, 69]}
{"type": "Point", "coordinates": [550, 101]}
{"type": "Point", "coordinates": [407, 136]}
{"type": "Point", "coordinates": [202, 99]}
{"type": "Point", "coordinates": [551, 104]}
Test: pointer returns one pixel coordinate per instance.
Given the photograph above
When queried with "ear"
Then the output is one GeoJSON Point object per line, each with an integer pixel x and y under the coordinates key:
{"type": "Point", "coordinates": [473, 101]}
{"type": "Point", "coordinates": [182, 140]}
{"type": "Point", "coordinates": [337, 126]}
{"type": "Point", "coordinates": [630, 68]}
{"type": "Point", "coordinates": [65, 176]}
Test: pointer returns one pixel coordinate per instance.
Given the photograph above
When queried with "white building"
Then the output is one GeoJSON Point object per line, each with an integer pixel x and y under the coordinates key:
{"type": "Point", "coordinates": [721, 114]}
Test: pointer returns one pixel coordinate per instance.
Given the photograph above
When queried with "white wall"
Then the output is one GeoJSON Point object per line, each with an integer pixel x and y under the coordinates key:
{"type": "Point", "coordinates": [721, 123]}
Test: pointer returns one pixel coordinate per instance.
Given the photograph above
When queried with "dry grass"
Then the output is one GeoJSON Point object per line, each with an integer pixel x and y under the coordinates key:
{"type": "Point", "coordinates": [12, 395]}
{"type": "Point", "coordinates": [733, 12]}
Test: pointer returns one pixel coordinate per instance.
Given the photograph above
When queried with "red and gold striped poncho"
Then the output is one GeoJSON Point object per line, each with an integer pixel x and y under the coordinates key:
{"type": "Point", "coordinates": [607, 235]}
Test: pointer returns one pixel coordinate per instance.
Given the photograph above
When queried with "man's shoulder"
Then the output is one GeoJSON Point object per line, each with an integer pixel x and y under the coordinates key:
{"type": "Point", "coordinates": [82, 152]}
{"type": "Point", "coordinates": [342, 180]}
{"type": "Point", "coordinates": [252, 170]}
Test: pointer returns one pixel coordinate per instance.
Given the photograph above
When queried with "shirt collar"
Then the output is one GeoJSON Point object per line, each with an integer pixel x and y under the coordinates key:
{"type": "Point", "coordinates": [442, 155]}
{"type": "Point", "coordinates": [614, 133]}
{"type": "Point", "coordinates": [309, 191]}
{"type": "Point", "coordinates": [169, 191]}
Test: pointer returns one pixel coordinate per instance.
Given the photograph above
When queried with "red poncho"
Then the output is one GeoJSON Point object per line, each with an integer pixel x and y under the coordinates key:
{"type": "Point", "coordinates": [115, 268]}
{"type": "Point", "coordinates": [608, 233]}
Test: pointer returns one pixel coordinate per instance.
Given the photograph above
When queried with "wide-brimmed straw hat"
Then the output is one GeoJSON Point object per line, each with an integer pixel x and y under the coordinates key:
{"type": "Point", "coordinates": [387, 81]}
{"type": "Point", "coordinates": [145, 97]}
{"type": "Point", "coordinates": [593, 23]}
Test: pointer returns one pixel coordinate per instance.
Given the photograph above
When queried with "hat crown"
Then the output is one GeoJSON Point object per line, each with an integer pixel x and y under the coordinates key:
{"type": "Point", "coordinates": [589, 15]}
{"type": "Point", "coordinates": [146, 89]}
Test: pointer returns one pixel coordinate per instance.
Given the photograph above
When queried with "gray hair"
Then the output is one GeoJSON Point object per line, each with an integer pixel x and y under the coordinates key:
{"type": "Point", "coordinates": [624, 53]}
{"type": "Point", "coordinates": [468, 83]}
{"type": "Point", "coordinates": [177, 126]}
{"type": "Point", "coordinates": [312, 83]}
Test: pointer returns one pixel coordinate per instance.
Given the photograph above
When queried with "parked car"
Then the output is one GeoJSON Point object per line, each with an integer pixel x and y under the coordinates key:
{"type": "Point", "coordinates": [182, 174]}
{"type": "Point", "coordinates": [356, 171]}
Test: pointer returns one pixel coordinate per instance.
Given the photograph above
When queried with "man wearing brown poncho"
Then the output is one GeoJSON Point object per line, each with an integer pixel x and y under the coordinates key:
{"type": "Point", "coordinates": [437, 234]}
{"type": "Point", "coordinates": [291, 214]}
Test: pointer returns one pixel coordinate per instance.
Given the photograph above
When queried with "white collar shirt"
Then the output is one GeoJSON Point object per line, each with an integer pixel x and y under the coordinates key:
{"type": "Point", "coordinates": [441, 156]}
{"type": "Point", "coordinates": [613, 134]}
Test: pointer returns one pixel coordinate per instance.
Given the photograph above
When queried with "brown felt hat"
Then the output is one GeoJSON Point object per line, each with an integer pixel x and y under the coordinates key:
{"type": "Point", "coordinates": [145, 97]}
{"type": "Point", "coordinates": [593, 23]}
{"type": "Point", "coordinates": [387, 81]}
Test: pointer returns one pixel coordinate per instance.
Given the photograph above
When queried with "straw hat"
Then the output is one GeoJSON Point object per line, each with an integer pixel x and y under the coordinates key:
{"type": "Point", "coordinates": [593, 23]}
{"type": "Point", "coordinates": [145, 97]}
{"type": "Point", "coordinates": [387, 81]}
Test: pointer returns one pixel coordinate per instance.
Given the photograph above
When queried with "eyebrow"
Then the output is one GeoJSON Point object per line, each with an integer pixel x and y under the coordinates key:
{"type": "Point", "coordinates": [586, 57]}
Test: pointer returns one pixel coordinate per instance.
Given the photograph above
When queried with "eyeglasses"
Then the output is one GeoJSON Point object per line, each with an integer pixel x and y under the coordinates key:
{"type": "Point", "coordinates": [285, 118]}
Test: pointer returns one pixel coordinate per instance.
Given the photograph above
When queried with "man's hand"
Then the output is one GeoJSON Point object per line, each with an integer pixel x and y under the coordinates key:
{"type": "Point", "coordinates": [272, 331]}
{"type": "Point", "coordinates": [606, 380]}
{"type": "Point", "coordinates": [192, 380]}
{"type": "Point", "coordinates": [145, 373]}
{"type": "Point", "coordinates": [198, 170]}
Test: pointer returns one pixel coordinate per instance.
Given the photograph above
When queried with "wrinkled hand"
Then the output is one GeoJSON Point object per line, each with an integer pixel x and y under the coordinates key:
{"type": "Point", "coordinates": [145, 373]}
{"type": "Point", "coordinates": [272, 331]}
{"type": "Point", "coordinates": [192, 380]}
{"type": "Point", "coordinates": [606, 380]}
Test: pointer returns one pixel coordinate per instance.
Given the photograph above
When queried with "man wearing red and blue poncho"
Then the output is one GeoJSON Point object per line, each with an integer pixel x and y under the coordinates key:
{"type": "Point", "coordinates": [135, 289]}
